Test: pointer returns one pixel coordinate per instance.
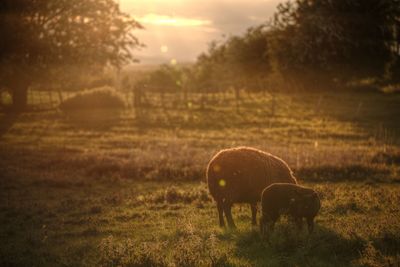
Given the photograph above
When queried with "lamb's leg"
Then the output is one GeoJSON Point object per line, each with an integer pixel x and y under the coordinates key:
{"type": "Point", "coordinates": [228, 214]}
{"type": "Point", "coordinates": [310, 223]}
{"type": "Point", "coordinates": [267, 223]}
{"type": "Point", "coordinates": [299, 223]}
{"type": "Point", "coordinates": [220, 208]}
{"type": "Point", "coordinates": [271, 226]}
{"type": "Point", "coordinates": [272, 219]}
{"type": "Point", "coordinates": [253, 207]}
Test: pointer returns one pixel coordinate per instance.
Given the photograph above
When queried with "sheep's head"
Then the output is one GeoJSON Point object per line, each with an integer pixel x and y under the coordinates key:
{"type": "Point", "coordinates": [305, 204]}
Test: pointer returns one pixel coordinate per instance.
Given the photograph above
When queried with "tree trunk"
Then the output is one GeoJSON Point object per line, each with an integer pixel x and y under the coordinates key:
{"type": "Point", "coordinates": [20, 97]}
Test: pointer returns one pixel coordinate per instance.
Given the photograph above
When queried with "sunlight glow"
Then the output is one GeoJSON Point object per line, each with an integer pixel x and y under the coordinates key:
{"type": "Point", "coordinates": [164, 49]}
{"type": "Point", "coordinates": [172, 21]}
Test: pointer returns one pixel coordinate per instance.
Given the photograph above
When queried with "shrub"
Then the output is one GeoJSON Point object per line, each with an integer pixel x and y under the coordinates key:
{"type": "Point", "coordinates": [100, 98]}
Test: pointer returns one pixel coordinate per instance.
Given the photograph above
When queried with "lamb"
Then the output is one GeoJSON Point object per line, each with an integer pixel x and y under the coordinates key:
{"type": "Point", "coordinates": [297, 201]}
{"type": "Point", "coordinates": [239, 175]}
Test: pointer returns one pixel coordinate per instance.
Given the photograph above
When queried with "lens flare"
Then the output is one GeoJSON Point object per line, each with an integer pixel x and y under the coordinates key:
{"type": "Point", "coordinates": [216, 168]}
{"type": "Point", "coordinates": [164, 49]}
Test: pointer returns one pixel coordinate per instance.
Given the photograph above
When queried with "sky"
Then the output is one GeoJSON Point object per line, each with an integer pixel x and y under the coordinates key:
{"type": "Point", "coordinates": [179, 30]}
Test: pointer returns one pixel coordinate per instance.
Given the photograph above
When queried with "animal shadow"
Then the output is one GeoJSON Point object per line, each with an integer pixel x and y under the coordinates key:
{"type": "Point", "coordinates": [286, 247]}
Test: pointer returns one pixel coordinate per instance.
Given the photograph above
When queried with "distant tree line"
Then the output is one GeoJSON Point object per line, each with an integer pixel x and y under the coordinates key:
{"type": "Point", "coordinates": [308, 44]}
{"type": "Point", "coordinates": [336, 41]}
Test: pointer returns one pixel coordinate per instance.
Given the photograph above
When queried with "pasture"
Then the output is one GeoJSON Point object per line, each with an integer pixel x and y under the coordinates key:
{"type": "Point", "coordinates": [103, 189]}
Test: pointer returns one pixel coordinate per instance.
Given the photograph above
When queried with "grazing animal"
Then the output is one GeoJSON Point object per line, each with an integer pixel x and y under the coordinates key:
{"type": "Point", "coordinates": [239, 175]}
{"type": "Point", "coordinates": [282, 198]}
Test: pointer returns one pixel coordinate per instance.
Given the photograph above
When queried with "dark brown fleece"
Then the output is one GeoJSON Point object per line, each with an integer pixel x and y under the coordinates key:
{"type": "Point", "coordinates": [282, 198]}
{"type": "Point", "coordinates": [238, 175]}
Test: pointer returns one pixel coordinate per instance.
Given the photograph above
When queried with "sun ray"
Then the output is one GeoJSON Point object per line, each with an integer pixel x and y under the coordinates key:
{"type": "Point", "coordinates": [164, 20]}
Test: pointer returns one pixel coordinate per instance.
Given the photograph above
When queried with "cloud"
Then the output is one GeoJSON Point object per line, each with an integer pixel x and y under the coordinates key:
{"type": "Point", "coordinates": [229, 16]}
{"type": "Point", "coordinates": [164, 20]}
{"type": "Point", "coordinates": [188, 26]}
{"type": "Point", "coordinates": [183, 43]}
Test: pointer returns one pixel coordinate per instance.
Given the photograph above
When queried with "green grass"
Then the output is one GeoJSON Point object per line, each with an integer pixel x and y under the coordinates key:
{"type": "Point", "coordinates": [123, 191]}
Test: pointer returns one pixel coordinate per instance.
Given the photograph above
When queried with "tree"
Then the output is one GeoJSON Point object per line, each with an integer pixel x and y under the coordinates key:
{"type": "Point", "coordinates": [165, 79]}
{"type": "Point", "coordinates": [238, 61]}
{"type": "Point", "coordinates": [248, 56]}
{"type": "Point", "coordinates": [204, 73]}
{"type": "Point", "coordinates": [334, 40]}
{"type": "Point", "coordinates": [41, 38]}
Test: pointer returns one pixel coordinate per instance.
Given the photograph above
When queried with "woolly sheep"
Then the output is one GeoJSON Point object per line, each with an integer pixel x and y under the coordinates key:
{"type": "Point", "coordinates": [282, 198]}
{"type": "Point", "coordinates": [239, 175]}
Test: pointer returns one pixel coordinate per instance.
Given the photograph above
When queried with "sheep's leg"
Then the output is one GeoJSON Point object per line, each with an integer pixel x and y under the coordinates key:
{"type": "Point", "coordinates": [299, 223]}
{"type": "Point", "coordinates": [228, 214]}
{"type": "Point", "coordinates": [310, 223]}
{"type": "Point", "coordinates": [253, 207]}
{"type": "Point", "coordinates": [271, 225]}
{"type": "Point", "coordinates": [262, 226]}
{"type": "Point", "coordinates": [221, 213]}
{"type": "Point", "coordinates": [271, 222]}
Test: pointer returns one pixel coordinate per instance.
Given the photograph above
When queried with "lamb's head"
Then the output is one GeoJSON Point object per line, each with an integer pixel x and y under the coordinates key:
{"type": "Point", "coordinates": [305, 204]}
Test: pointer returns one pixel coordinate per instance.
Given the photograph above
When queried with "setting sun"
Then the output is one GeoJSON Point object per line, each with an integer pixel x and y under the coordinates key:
{"type": "Point", "coordinates": [164, 49]}
{"type": "Point", "coordinates": [172, 21]}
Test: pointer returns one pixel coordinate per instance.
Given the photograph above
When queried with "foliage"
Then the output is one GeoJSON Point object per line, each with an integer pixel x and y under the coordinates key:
{"type": "Point", "coordinates": [330, 41]}
{"type": "Point", "coordinates": [165, 79]}
{"type": "Point", "coordinates": [100, 98]}
{"type": "Point", "coordinates": [40, 38]}
{"type": "Point", "coordinates": [248, 55]}
{"type": "Point", "coordinates": [308, 43]}
{"type": "Point", "coordinates": [240, 61]}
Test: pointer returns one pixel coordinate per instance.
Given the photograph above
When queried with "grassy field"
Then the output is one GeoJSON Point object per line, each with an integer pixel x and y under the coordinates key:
{"type": "Point", "coordinates": [105, 189]}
